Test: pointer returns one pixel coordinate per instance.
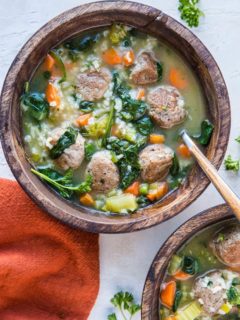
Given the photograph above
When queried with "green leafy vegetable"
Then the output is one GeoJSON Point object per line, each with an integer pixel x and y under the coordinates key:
{"type": "Point", "coordinates": [238, 139]}
{"type": "Point", "coordinates": [128, 163]}
{"type": "Point", "coordinates": [176, 180]}
{"type": "Point", "coordinates": [77, 45]}
{"type": "Point", "coordinates": [36, 105]}
{"type": "Point", "coordinates": [47, 75]}
{"type": "Point", "coordinates": [159, 70]}
{"type": "Point", "coordinates": [117, 33]}
{"type": "Point", "coordinates": [190, 265]}
{"type": "Point", "coordinates": [63, 183]}
{"type": "Point", "coordinates": [177, 299]}
{"type": "Point", "coordinates": [233, 295]}
{"type": "Point", "coordinates": [125, 303]}
{"type": "Point", "coordinates": [144, 125]}
{"type": "Point", "coordinates": [142, 201]}
{"type": "Point", "coordinates": [236, 281]}
{"type": "Point", "coordinates": [65, 141]}
{"type": "Point", "coordinates": [86, 106]}
{"type": "Point", "coordinates": [174, 170]}
{"type": "Point", "coordinates": [230, 164]}
{"type": "Point", "coordinates": [109, 123]}
{"type": "Point", "coordinates": [59, 63]}
{"type": "Point", "coordinates": [90, 149]}
{"type": "Point", "coordinates": [132, 109]}
{"type": "Point", "coordinates": [206, 132]}
{"type": "Point", "coordinates": [190, 12]}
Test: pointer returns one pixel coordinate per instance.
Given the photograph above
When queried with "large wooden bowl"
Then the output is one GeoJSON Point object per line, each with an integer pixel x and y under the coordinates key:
{"type": "Point", "coordinates": [83, 18]}
{"type": "Point", "coordinates": [150, 298]}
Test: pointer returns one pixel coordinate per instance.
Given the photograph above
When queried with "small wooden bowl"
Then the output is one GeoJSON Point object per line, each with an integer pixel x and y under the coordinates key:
{"type": "Point", "coordinates": [150, 297]}
{"type": "Point", "coordinates": [92, 16]}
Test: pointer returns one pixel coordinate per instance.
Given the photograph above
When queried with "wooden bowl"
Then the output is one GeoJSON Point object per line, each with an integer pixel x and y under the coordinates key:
{"type": "Point", "coordinates": [150, 298]}
{"type": "Point", "coordinates": [84, 18]}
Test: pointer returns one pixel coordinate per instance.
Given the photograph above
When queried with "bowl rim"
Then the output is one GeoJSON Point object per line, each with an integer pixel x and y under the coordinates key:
{"type": "Point", "coordinates": [68, 214]}
{"type": "Point", "coordinates": [172, 244]}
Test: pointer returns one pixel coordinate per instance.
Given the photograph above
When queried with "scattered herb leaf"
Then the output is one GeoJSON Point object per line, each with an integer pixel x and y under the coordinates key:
{"type": "Point", "coordinates": [231, 165]}
{"type": "Point", "coordinates": [190, 265]}
{"type": "Point", "coordinates": [190, 12]}
{"type": "Point", "coordinates": [65, 141]}
{"type": "Point", "coordinates": [206, 133]}
{"type": "Point", "coordinates": [36, 104]}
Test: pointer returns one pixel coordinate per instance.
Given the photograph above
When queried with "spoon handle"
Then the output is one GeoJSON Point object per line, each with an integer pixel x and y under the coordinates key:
{"type": "Point", "coordinates": [226, 192]}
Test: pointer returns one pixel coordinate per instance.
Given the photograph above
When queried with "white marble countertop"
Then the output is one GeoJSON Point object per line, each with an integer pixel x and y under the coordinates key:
{"type": "Point", "coordinates": [125, 259]}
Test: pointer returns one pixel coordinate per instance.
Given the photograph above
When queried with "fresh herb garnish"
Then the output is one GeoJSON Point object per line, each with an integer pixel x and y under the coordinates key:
{"type": "Point", "coordinates": [230, 164]}
{"type": "Point", "coordinates": [63, 183]}
{"type": "Point", "coordinates": [190, 12]}
{"type": "Point", "coordinates": [233, 295]}
{"type": "Point", "coordinates": [206, 132]}
{"type": "Point", "coordinates": [190, 265]}
{"type": "Point", "coordinates": [125, 303]}
{"type": "Point", "coordinates": [65, 141]}
{"type": "Point", "coordinates": [238, 139]}
{"type": "Point", "coordinates": [60, 64]}
{"type": "Point", "coordinates": [36, 104]}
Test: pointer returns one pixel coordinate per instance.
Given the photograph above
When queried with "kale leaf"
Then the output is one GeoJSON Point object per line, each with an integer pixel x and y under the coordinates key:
{"type": "Point", "coordinates": [36, 104]}
{"type": "Point", "coordinates": [86, 106]}
{"type": "Point", "coordinates": [159, 70]}
{"type": "Point", "coordinates": [233, 295]}
{"type": "Point", "coordinates": [65, 141]}
{"type": "Point", "coordinates": [190, 265]}
{"type": "Point", "coordinates": [174, 170]}
{"type": "Point", "coordinates": [144, 125]}
{"type": "Point", "coordinates": [206, 132]}
{"type": "Point", "coordinates": [90, 149]}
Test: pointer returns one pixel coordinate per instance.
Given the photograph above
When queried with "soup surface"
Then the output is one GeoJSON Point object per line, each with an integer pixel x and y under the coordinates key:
{"type": "Point", "coordinates": [203, 278]}
{"type": "Point", "coordinates": [102, 115]}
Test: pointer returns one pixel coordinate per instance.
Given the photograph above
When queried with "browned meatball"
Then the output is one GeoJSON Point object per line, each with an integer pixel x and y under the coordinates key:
{"type": "Point", "coordinates": [226, 245]}
{"type": "Point", "coordinates": [144, 70]}
{"type": "Point", "coordinates": [166, 106]}
{"type": "Point", "coordinates": [155, 161]}
{"type": "Point", "coordinates": [103, 171]}
{"type": "Point", "coordinates": [210, 289]}
{"type": "Point", "coordinates": [92, 85]}
{"type": "Point", "coordinates": [72, 156]}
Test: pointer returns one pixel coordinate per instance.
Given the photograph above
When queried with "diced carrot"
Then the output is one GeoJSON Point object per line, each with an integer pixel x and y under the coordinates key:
{"type": "Point", "coordinates": [159, 192]}
{"type": "Point", "coordinates": [52, 95]}
{"type": "Point", "coordinates": [181, 275]}
{"type": "Point", "coordinates": [133, 188]}
{"type": "Point", "coordinates": [141, 94]}
{"type": "Point", "coordinates": [170, 318]}
{"type": "Point", "coordinates": [177, 79]}
{"type": "Point", "coordinates": [156, 138]}
{"type": "Point", "coordinates": [111, 57]}
{"type": "Point", "coordinates": [128, 58]}
{"type": "Point", "coordinates": [115, 130]}
{"type": "Point", "coordinates": [49, 63]}
{"type": "Point", "coordinates": [87, 199]}
{"type": "Point", "coordinates": [184, 151]}
{"type": "Point", "coordinates": [167, 294]}
{"type": "Point", "coordinates": [82, 120]}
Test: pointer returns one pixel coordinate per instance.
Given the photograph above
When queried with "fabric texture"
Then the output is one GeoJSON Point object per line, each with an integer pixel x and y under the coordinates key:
{"type": "Point", "coordinates": [47, 270]}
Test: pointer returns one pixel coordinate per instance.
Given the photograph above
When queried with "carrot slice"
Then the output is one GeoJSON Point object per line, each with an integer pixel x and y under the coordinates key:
{"type": "Point", "coordinates": [128, 58]}
{"type": "Point", "coordinates": [83, 120]}
{"type": "Point", "coordinates": [184, 151]}
{"type": "Point", "coordinates": [133, 188]}
{"type": "Point", "coordinates": [156, 138]}
{"type": "Point", "coordinates": [159, 192]}
{"type": "Point", "coordinates": [87, 199]}
{"type": "Point", "coordinates": [49, 63]}
{"type": "Point", "coordinates": [181, 275]}
{"type": "Point", "coordinates": [141, 94]}
{"type": "Point", "coordinates": [115, 130]}
{"type": "Point", "coordinates": [167, 294]}
{"type": "Point", "coordinates": [111, 57]}
{"type": "Point", "coordinates": [52, 95]}
{"type": "Point", "coordinates": [177, 79]}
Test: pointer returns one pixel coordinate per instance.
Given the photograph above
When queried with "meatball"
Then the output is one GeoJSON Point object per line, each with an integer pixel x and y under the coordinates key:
{"type": "Point", "coordinates": [166, 106]}
{"type": "Point", "coordinates": [144, 70]}
{"type": "Point", "coordinates": [226, 245]}
{"type": "Point", "coordinates": [104, 172]}
{"type": "Point", "coordinates": [72, 156]}
{"type": "Point", "coordinates": [92, 85]}
{"type": "Point", "coordinates": [210, 289]}
{"type": "Point", "coordinates": [155, 161]}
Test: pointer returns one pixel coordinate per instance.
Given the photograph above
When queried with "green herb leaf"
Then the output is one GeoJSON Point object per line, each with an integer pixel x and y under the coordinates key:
{"type": "Point", "coordinates": [190, 12]}
{"type": "Point", "coordinates": [86, 106]}
{"type": "Point", "coordinates": [144, 125]}
{"type": "Point", "coordinates": [90, 149]}
{"type": "Point", "coordinates": [238, 139]}
{"type": "Point", "coordinates": [47, 75]}
{"type": "Point", "coordinates": [109, 123]}
{"type": "Point", "coordinates": [65, 141]}
{"type": "Point", "coordinates": [112, 316]}
{"type": "Point", "coordinates": [36, 104]}
{"type": "Point", "coordinates": [233, 295]}
{"type": "Point", "coordinates": [142, 201]}
{"type": "Point", "coordinates": [236, 281]}
{"type": "Point", "coordinates": [82, 44]}
{"type": "Point", "coordinates": [206, 133]}
{"type": "Point", "coordinates": [230, 164]}
{"type": "Point", "coordinates": [190, 265]}
{"type": "Point", "coordinates": [117, 33]}
{"type": "Point", "coordinates": [177, 299]}
{"type": "Point", "coordinates": [124, 301]}
{"type": "Point", "coordinates": [159, 70]}
{"type": "Point", "coordinates": [174, 170]}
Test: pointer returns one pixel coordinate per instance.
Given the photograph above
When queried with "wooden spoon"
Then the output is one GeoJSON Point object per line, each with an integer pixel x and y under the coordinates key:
{"type": "Point", "coordinates": [226, 192]}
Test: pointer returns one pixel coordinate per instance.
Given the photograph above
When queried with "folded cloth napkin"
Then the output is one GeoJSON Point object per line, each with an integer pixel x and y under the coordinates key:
{"type": "Point", "coordinates": [47, 270]}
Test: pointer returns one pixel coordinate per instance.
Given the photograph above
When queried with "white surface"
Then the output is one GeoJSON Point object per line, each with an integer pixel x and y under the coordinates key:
{"type": "Point", "coordinates": [125, 259]}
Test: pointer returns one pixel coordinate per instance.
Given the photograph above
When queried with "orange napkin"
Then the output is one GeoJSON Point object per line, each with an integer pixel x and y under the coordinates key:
{"type": "Point", "coordinates": [47, 270]}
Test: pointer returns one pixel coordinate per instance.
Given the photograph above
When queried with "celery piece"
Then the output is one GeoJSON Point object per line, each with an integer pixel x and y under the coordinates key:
{"type": "Point", "coordinates": [175, 264]}
{"type": "Point", "coordinates": [120, 202]}
{"type": "Point", "coordinates": [190, 312]}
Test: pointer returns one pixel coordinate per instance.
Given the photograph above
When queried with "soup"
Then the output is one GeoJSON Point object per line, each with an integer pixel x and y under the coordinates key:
{"type": "Point", "coordinates": [101, 119]}
{"type": "Point", "coordinates": [203, 277]}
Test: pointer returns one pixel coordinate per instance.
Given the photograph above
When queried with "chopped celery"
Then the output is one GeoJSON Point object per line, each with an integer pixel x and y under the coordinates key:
{"type": "Point", "coordinates": [117, 33]}
{"type": "Point", "coordinates": [190, 312]}
{"type": "Point", "coordinates": [175, 264]}
{"type": "Point", "coordinates": [143, 189]}
{"type": "Point", "coordinates": [99, 204]}
{"type": "Point", "coordinates": [97, 128]}
{"type": "Point", "coordinates": [121, 202]}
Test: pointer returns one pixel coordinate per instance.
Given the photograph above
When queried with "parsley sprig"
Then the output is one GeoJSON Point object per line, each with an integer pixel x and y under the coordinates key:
{"type": "Point", "coordinates": [231, 165]}
{"type": "Point", "coordinates": [190, 12]}
{"type": "Point", "coordinates": [125, 303]}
